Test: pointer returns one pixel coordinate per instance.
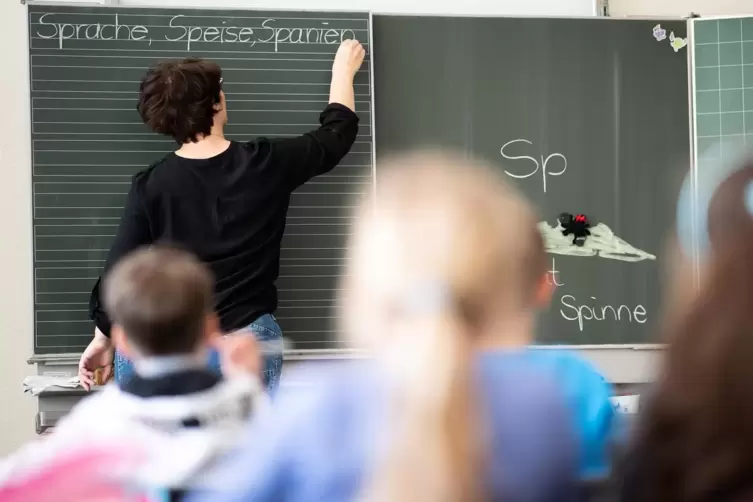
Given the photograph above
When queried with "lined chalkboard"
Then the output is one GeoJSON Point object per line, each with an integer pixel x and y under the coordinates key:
{"type": "Point", "coordinates": [584, 115]}
{"type": "Point", "coordinates": [86, 63]}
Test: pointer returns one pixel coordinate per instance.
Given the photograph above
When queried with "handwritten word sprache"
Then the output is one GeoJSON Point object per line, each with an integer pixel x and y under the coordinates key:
{"type": "Point", "coordinates": [582, 313]}
{"type": "Point", "coordinates": [98, 31]}
{"type": "Point", "coordinates": [178, 31]}
{"type": "Point", "coordinates": [542, 167]}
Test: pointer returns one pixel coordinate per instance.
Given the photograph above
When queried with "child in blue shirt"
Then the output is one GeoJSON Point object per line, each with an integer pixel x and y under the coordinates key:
{"type": "Point", "coordinates": [442, 285]}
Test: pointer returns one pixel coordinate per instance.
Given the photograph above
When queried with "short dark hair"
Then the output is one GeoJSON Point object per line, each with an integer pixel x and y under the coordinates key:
{"type": "Point", "coordinates": [160, 296]}
{"type": "Point", "coordinates": [177, 98]}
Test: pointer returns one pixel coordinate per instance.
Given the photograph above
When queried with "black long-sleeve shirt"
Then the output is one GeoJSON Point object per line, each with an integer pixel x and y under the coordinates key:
{"type": "Point", "coordinates": [230, 211]}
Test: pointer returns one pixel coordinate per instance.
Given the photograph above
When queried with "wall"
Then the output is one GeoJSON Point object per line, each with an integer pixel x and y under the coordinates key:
{"type": "Point", "coordinates": [16, 410]}
{"type": "Point", "coordinates": [465, 7]}
{"type": "Point", "coordinates": [679, 8]}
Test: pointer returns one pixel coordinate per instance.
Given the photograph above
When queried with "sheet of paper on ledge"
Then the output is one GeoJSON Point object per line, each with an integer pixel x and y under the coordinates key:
{"type": "Point", "coordinates": [37, 384]}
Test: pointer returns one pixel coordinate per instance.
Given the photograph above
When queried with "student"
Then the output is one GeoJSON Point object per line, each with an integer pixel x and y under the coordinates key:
{"type": "Point", "coordinates": [224, 201]}
{"type": "Point", "coordinates": [175, 414]}
{"type": "Point", "coordinates": [443, 280]}
{"type": "Point", "coordinates": [80, 476]}
{"type": "Point", "coordinates": [587, 393]}
{"type": "Point", "coordinates": [694, 440]}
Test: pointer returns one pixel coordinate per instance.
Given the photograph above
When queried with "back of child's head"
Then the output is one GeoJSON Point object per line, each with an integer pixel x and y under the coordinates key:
{"type": "Point", "coordinates": [161, 299]}
{"type": "Point", "coordinates": [441, 228]}
{"type": "Point", "coordinates": [696, 432]}
{"type": "Point", "coordinates": [445, 258]}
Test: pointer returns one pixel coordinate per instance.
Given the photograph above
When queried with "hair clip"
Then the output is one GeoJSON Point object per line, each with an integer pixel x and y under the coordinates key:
{"type": "Point", "coordinates": [428, 298]}
{"type": "Point", "coordinates": [749, 198]}
{"type": "Point", "coordinates": [714, 166]}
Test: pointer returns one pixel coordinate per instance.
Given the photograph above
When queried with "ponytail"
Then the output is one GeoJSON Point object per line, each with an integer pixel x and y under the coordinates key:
{"type": "Point", "coordinates": [433, 267]}
{"type": "Point", "coordinates": [433, 450]}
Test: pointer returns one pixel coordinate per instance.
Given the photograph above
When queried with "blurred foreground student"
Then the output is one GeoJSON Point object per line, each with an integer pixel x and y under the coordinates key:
{"type": "Point", "coordinates": [444, 278]}
{"type": "Point", "coordinates": [587, 394]}
{"type": "Point", "coordinates": [175, 413]}
{"type": "Point", "coordinates": [85, 475]}
{"type": "Point", "coordinates": [695, 439]}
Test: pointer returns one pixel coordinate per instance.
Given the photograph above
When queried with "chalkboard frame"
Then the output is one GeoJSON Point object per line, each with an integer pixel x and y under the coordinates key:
{"type": "Point", "coordinates": [621, 363]}
{"type": "Point", "coordinates": [370, 123]}
{"type": "Point", "coordinates": [681, 145]}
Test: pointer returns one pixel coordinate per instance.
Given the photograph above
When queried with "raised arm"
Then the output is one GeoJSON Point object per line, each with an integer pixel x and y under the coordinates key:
{"type": "Point", "coordinates": [347, 62]}
{"type": "Point", "coordinates": [319, 151]}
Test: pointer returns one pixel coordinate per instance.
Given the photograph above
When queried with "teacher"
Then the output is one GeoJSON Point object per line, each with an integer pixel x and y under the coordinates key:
{"type": "Point", "coordinates": [225, 201]}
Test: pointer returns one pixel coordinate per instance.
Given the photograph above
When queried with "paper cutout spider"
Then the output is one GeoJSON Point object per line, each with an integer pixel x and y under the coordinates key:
{"type": "Point", "coordinates": [577, 225]}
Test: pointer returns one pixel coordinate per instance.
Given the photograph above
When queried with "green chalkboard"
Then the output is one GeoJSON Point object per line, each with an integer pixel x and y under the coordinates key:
{"type": "Point", "coordinates": [86, 63]}
{"type": "Point", "coordinates": [584, 115]}
{"type": "Point", "coordinates": [723, 71]}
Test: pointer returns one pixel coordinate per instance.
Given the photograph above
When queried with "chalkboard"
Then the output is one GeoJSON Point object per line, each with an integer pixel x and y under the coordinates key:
{"type": "Point", "coordinates": [86, 63]}
{"type": "Point", "coordinates": [584, 115]}
{"type": "Point", "coordinates": [723, 71]}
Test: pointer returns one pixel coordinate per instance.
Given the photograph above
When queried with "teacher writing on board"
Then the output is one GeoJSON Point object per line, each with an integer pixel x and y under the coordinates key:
{"type": "Point", "coordinates": [225, 201]}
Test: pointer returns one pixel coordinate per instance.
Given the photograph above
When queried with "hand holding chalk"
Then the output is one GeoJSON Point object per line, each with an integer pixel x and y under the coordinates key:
{"type": "Point", "coordinates": [348, 59]}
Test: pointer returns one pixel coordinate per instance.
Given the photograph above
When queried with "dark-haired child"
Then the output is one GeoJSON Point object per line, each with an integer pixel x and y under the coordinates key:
{"type": "Point", "coordinates": [174, 416]}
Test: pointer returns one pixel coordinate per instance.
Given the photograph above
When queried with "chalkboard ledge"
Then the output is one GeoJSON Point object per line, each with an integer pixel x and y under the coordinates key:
{"type": "Point", "coordinates": [620, 364]}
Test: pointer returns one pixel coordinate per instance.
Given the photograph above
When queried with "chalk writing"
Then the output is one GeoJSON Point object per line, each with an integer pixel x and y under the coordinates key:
{"type": "Point", "coordinates": [537, 166]}
{"type": "Point", "coordinates": [225, 34]}
{"type": "Point", "coordinates": [551, 275]}
{"type": "Point", "coordinates": [582, 313]}
{"type": "Point", "coordinates": [178, 30]}
{"type": "Point", "coordinates": [267, 33]}
{"type": "Point", "coordinates": [96, 31]}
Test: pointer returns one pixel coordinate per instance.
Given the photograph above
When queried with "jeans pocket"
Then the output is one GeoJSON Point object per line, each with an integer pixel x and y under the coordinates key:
{"type": "Point", "coordinates": [268, 325]}
{"type": "Point", "coordinates": [268, 333]}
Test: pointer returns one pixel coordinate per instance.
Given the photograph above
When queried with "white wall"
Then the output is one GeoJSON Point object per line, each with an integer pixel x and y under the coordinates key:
{"type": "Point", "coordinates": [16, 344]}
{"type": "Point", "coordinates": [464, 7]}
{"type": "Point", "coordinates": [679, 7]}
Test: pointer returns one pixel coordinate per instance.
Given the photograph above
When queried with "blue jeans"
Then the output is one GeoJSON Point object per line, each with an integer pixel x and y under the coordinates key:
{"type": "Point", "coordinates": [265, 328]}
